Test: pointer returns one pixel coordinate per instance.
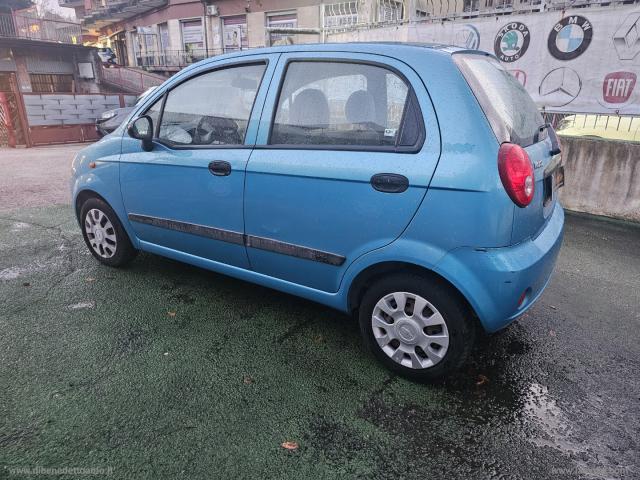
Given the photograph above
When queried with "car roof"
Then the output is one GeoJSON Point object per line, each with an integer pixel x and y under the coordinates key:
{"type": "Point", "coordinates": [354, 46]}
{"type": "Point", "coordinates": [391, 49]}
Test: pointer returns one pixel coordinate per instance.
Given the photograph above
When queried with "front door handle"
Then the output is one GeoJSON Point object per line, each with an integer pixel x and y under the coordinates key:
{"type": "Point", "coordinates": [389, 182]}
{"type": "Point", "coordinates": [220, 168]}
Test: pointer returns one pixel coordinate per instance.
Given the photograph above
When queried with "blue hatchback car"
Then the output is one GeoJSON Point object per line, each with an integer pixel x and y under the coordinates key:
{"type": "Point", "coordinates": [414, 185]}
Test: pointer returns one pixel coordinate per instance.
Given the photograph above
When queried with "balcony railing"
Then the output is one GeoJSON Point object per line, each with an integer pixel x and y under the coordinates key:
{"type": "Point", "coordinates": [131, 79]}
{"type": "Point", "coordinates": [29, 28]}
{"type": "Point", "coordinates": [71, 3]}
{"type": "Point", "coordinates": [174, 58]}
{"type": "Point", "coordinates": [121, 9]}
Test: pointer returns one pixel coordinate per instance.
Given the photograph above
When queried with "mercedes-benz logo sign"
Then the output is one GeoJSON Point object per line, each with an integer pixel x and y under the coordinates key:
{"type": "Point", "coordinates": [570, 37]}
{"type": "Point", "coordinates": [560, 87]}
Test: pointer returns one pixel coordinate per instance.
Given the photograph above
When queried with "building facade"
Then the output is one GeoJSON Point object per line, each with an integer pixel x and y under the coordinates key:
{"type": "Point", "coordinates": [166, 35]}
{"type": "Point", "coordinates": [49, 82]}
{"type": "Point", "coordinates": [173, 33]}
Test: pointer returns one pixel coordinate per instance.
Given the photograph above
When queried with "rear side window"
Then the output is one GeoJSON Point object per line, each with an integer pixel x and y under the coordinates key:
{"type": "Point", "coordinates": [345, 105]}
{"type": "Point", "coordinates": [512, 113]}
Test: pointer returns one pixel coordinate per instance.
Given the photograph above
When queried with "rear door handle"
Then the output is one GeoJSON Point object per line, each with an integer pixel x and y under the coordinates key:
{"type": "Point", "coordinates": [389, 182]}
{"type": "Point", "coordinates": [220, 168]}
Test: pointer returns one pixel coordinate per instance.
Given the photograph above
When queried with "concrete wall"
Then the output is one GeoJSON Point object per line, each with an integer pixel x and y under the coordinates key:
{"type": "Point", "coordinates": [602, 177]}
{"type": "Point", "coordinates": [308, 17]}
{"type": "Point", "coordinates": [255, 29]}
{"type": "Point", "coordinates": [395, 33]}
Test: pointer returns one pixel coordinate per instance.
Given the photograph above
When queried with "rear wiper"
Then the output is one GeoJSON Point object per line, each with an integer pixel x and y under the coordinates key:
{"type": "Point", "coordinates": [539, 130]}
{"type": "Point", "coordinates": [555, 143]}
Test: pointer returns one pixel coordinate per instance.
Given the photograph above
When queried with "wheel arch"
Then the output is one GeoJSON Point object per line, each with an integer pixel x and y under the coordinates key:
{"type": "Point", "coordinates": [372, 273]}
{"type": "Point", "coordinates": [86, 193]}
{"type": "Point", "coordinates": [83, 196]}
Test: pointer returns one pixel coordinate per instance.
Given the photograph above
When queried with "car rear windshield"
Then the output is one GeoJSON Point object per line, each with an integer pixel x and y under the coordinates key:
{"type": "Point", "coordinates": [512, 113]}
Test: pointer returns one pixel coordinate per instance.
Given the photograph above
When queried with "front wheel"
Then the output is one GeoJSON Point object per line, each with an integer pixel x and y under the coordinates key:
{"type": "Point", "coordinates": [416, 327]}
{"type": "Point", "coordinates": [104, 235]}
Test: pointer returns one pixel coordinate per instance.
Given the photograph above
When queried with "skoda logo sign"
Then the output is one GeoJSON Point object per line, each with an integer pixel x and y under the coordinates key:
{"type": "Point", "coordinates": [570, 37]}
{"type": "Point", "coordinates": [512, 42]}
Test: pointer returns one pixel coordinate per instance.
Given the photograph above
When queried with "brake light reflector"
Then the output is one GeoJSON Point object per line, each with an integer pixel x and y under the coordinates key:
{"type": "Point", "coordinates": [516, 173]}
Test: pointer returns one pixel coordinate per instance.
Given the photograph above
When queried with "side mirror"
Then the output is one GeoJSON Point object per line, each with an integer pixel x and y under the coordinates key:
{"type": "Point", "coordinates": [142, 129]}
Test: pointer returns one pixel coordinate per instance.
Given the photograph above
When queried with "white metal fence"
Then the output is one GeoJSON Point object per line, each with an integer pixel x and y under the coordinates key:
{"type": "Point", "coordinates": [610, 127]}
{"type": "Point", "coordinates": [347, 15]}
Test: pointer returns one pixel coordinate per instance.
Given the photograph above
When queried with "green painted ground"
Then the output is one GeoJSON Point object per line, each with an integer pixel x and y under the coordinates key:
{"type": "Point", "coordinates": [166, 370]}
{"type": "Point", "coordinates": [162, 370]}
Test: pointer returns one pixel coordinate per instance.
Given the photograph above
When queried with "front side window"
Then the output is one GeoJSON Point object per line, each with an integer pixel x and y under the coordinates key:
{"type": "Point", "coordinates": [154, 111]}
{"type": "Point", "coordinates": [211, 109]}
{"type": "Point", "coordinates": [341, 104]}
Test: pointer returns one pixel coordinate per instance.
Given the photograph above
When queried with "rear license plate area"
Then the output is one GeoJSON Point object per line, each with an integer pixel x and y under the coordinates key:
{"type": "Point", "coordinates": [559, 177]}
{"type": "Point", "coordinates": [553, 181]}
{"type": "Point", "coordinates": [547, 190]}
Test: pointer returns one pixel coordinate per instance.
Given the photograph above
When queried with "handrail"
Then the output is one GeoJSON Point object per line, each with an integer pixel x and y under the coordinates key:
{"type": "Point", "coordinates": [41, 29]}
{"type": "Point", "coordinates": [131, 79]}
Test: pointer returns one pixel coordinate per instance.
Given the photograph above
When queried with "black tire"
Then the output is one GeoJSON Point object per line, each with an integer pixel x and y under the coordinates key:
{"type": "Point", "coordinates": [123, 252]}
{"type": "Point", "coordinates": [459, 322]}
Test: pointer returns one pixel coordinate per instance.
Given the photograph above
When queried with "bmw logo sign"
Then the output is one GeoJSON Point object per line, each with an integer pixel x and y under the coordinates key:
{"type": "Point", "coordinates": [570, 37]}
{"type": "Point", "coordinates": [512, 41]}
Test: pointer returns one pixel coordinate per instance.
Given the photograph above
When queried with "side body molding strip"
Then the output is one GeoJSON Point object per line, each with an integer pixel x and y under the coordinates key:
{"type": "Point", "coordinates": [238, 238]}
{"type": "Point", "coordinates": [228, 236]}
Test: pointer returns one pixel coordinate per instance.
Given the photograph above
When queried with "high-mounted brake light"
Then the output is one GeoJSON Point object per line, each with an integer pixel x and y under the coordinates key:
{"type": "Point", "coordinates": [516, 173]}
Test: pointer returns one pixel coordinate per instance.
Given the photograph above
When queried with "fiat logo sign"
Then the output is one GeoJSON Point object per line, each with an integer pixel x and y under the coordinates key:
{"type": "Point", "coordinates": [618, 86]}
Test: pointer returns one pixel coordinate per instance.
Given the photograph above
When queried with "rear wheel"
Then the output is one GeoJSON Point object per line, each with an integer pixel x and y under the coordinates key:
{"type": "Point", "coordinates": [416, 327]}
{"type": "Point", "coordinates": [104, 235]}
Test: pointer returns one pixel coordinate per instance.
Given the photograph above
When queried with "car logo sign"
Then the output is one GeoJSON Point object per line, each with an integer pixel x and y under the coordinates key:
{"type": "Point", "coordinates": [520, 76]}
{"type": "Point", "coordinates": [626, 40]}
{"type": "Point", "coordinates": [570, 37]}
{"type": "Point", "coordinates": [468, 37]}
{"type": "Point", "coordinates": [560, 87]}
{"type": "Point", "coordinates": [512, 42]}
{"type": "Point", "coordinates": [618, 86]}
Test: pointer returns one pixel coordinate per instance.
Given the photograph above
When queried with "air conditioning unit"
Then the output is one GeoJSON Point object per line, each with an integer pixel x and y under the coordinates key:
{"type": "Point", "coordinates": [212, 10]}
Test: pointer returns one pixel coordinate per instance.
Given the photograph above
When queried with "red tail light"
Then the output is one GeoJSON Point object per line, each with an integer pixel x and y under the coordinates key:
{"type": "Point", "coordinates": [516, 173]}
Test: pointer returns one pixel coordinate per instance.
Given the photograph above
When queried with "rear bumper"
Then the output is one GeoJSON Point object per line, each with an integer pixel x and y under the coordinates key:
{"type": "Point", "coordinates": [494, 280]}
